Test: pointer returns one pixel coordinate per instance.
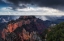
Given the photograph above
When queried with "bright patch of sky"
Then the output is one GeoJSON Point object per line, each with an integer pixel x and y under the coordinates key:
{"type": "Point", "coordinates": [30, 11]}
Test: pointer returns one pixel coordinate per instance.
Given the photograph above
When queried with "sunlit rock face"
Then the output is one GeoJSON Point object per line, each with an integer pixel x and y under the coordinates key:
{"type": "Point", "coordinates": [25, 28]}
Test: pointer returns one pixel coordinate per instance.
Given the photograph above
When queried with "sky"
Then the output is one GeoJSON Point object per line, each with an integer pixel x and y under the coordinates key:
{"type": "Point", "coordinates": [31, 7]}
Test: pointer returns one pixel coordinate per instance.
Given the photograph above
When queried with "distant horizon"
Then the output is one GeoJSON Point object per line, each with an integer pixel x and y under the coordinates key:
{"type": "Point", "coordinates": [42, 17]}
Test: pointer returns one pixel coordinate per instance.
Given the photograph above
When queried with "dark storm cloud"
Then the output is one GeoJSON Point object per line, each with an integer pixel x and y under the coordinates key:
{"type": "Point", "coordinates": [56, 4]}
{"type": "Point", "coordinates": [38, 2]}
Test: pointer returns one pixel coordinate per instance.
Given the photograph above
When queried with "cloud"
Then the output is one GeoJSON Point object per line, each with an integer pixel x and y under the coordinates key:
{"type": "Point", "coordinates": [4, 20]}
{"type": "Point", "coordinates": [37, 9]}
{"type": "Point", "coordinates": [44, 18]}
{"type": "Point", "coordinates": [37, 2]}
{"type": "Point", "coordinates": [30, 11]}
{"type": "Point", "coordinates": [50, 17]}
{"type": "Point", "coordinates": [6, 1]}
{"type": "Point", "coordinates": [20, 4]}
{"type": "Point", "coordinates": [6, 9]}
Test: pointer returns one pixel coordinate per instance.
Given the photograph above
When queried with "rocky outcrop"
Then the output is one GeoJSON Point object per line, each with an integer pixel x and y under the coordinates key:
{"type": "Point", "coordinates": [25, 28]}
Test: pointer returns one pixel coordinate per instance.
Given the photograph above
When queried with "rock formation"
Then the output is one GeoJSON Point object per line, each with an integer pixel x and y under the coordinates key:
{"type": "Point", "coordinates": [25, 28]}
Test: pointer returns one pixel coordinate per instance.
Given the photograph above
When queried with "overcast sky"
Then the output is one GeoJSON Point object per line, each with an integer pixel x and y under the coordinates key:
{"type": "Point", "coordinates": [31, 7]}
